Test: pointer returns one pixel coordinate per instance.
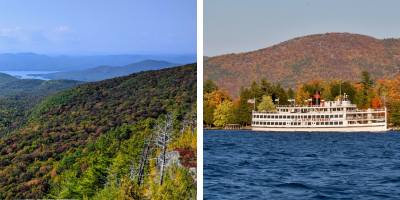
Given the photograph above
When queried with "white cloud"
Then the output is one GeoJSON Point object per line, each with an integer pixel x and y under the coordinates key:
{"type": "Point", "coordinates": [7, 32]}
{"type": "Point", "coordinates": [15, 33]}
{"type": "Point", "coordinates": [29, 34]}
{"type": "Point", "coordinates": [25, 39]}
{"type": "Point", "coordinates": [62, 28]}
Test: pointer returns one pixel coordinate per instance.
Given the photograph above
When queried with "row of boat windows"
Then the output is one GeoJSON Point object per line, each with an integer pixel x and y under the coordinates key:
{"type": "Point", "coordinates": [297, 123]}
{"type": "Point", "coordinates": [310, 109]}
{"type": "Point", "coordinates": [296, 116]}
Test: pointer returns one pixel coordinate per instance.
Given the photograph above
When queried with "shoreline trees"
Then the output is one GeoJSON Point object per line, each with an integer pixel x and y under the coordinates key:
{"type": "Point", "coordinates": [367, 93]}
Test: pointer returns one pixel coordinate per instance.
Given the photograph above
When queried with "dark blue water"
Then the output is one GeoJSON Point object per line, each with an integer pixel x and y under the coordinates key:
{"type": "Point", "coordinates": [261, 165]}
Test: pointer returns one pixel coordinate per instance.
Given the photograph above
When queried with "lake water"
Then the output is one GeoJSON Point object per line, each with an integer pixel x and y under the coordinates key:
{"type": "Point", "coordinates": [262, 165]}
{"type": "Point", "coordinates": [27, 74]}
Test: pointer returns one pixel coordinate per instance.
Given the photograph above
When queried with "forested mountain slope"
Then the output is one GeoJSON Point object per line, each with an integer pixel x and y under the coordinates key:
{"type": "Point", "coordinates": [10, 85]}
{"type": "Point", "coordinates": [321, 56]}
{"type": "Point", "coordinates": [74, 138]}
{"type": "Point", "coordinates": [18, 96]}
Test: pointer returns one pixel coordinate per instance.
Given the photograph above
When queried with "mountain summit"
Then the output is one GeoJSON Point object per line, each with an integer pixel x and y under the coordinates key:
{"type": "Point", "coordinates": [321, 56]}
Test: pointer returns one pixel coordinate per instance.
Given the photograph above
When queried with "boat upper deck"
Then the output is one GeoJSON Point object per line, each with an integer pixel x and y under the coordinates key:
{"type": "Point", "coordinates": [324, 107]}
{"type": "Point", "coordinates": [324, 104]}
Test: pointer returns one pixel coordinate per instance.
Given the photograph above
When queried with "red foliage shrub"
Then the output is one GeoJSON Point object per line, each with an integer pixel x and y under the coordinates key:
{"type": "Point", "coordinates": [187, 157]}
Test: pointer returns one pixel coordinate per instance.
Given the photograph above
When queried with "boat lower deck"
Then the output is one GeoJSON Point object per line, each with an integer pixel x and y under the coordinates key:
{"type": "Point", "coordinates": [376, 128]}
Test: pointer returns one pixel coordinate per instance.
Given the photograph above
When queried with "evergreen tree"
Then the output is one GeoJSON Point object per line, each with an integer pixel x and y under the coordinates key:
{"type": "Point", "coordinates": [279, 94]}
{"type": "Point", "coordinates": [265, 87]}
{"type": "Point", "coordinates": [394, 113]}
{"type": "Point", "coordinates": [256, 91]}
{"type": "Point", "coordinates": [366, 80]}
{"type": "Point", "coordinates": [290, 93]}
{"type": "Point", "coordinates": [242, 112]}
{"type": "Point", "coordinates": [344, 87]}
{"type": "Point", "coordinates": [209, 86]}
{"type": "Point", "coordinates": [365, 95]}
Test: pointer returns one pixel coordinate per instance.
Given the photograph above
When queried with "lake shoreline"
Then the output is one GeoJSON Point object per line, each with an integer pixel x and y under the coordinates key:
{"type": "Point", "coordinates": [28, 74]}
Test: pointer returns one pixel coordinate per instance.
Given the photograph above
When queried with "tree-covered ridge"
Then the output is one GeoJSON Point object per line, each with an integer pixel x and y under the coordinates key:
{"type": "Point", "coordinates": [10, 86]}
{"type": "Point", "coordinates": [327, 56]}
{"type": "Point", "coordinates": [18, 96]}
{"type": "Point", "coordinates": [63, 130]}
{"type": "Point", "coordinates": [4, 78]}
{"type": "Point", "coordinates": [221, 109]}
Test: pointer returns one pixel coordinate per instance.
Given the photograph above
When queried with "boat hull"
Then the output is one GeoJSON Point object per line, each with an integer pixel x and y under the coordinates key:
{"type": "Point", "coordinates": [323, 129]}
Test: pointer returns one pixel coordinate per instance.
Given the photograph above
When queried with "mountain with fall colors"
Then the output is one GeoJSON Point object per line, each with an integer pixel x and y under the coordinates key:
{"type": "Point", "coordinates": [322, 56]}
{"type": "Point", "coordinates": [86, 141]}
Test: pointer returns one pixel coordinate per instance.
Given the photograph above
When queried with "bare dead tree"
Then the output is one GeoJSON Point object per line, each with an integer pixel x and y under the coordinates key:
{"type": "Point", "coordinates": [132, 171]}
{"type": "Point", "coordinates": [164, 132]}
{"type": "Point", "coordinates": [139, 172]}
{"type": "Point", "coordinates": [144, 161]}
{"type": "Point", "coordinates": [190, 120]}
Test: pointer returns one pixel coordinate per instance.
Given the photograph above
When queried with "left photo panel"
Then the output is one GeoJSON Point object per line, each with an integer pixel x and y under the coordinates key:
{"type": "Point", "coordinates": [98, 99]}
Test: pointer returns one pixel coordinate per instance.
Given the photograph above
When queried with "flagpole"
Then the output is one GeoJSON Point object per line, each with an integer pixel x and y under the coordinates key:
{"type": "Point", "coordinates": [254, 108]}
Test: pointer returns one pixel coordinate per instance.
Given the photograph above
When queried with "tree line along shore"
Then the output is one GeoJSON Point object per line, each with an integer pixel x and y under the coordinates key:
{"type": "Point", "coordinates": [222, 110]}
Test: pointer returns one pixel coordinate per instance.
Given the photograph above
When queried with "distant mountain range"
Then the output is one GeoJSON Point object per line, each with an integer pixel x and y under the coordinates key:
{"type": "Point", "coordinates": [321, 56]}
{"type": "Point", "coordinates": [39, 62]}
{"type": "Point", "coordinates": [106, 72]}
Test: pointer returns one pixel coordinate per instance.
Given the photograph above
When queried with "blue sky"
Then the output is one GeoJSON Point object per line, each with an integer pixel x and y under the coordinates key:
{"type": "Point", "coordinates": [98, 26]}
{"type": "Point", "coordinates": [239, 26]}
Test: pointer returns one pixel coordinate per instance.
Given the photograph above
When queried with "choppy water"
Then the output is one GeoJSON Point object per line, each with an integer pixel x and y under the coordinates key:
{"type": "Point", "coordinates": [261, 165]}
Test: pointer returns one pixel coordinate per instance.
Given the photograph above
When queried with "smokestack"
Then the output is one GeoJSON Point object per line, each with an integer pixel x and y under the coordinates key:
{"type": "Point", "coordinates": [316, 100]}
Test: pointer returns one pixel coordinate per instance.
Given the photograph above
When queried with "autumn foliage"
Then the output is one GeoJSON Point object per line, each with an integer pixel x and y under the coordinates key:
{"type": "Point", "coordinates": [330, 56]}
{"type": "Point", "coordinates": [77, 142]}
{"type": "Point", "coordinates": [365, 93]}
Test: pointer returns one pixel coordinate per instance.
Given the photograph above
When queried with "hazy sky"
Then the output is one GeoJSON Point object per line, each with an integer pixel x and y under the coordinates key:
{"type": "Point", "coordinates": [98, 26]}
{"type": "Point", "coordinates": [238, 26]}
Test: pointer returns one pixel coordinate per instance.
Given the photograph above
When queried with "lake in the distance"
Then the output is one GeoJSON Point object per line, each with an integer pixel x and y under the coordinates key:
{"type": "Point", "coordinates": [262, 165]}
{"type": "Point", "coordinates": [27, 74]}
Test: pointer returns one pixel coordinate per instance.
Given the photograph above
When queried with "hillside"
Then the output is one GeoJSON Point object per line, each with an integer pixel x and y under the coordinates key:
{"type": "Point", "coordinates": [322, 56]}
{"type": "Point", "coordinates": [84, 141]}
{"type": "Point", "coordinates": [18, 96]}
{"type": "Point", "coordinates": [4, 78]}
{"type": "Point", "coordinates": [15, 86]}
{"type": "Point", "coordinates": [106, 72]}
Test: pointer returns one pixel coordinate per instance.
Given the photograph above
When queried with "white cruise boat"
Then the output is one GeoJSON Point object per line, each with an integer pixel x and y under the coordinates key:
{"type": "Point", "coordinates": [321, 116]}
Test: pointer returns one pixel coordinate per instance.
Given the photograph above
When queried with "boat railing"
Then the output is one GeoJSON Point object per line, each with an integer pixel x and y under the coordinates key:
{"type": "Point", "coordinates": [266, 112]}
{"type": "Point", "coordinates": [326, 105]}
{"type": "Point", "coordinates": [300, 106]}
{"type": "Point", "coordinates": [355, 110]}
{"type": "Point", "coordinates": [365, 118]}
{"type": "Point", "coordinates": [367, 110]}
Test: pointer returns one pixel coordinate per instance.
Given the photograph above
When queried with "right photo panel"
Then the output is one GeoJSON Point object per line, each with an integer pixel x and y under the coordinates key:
{"type": "Point", "coordinates": [301, 99]}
